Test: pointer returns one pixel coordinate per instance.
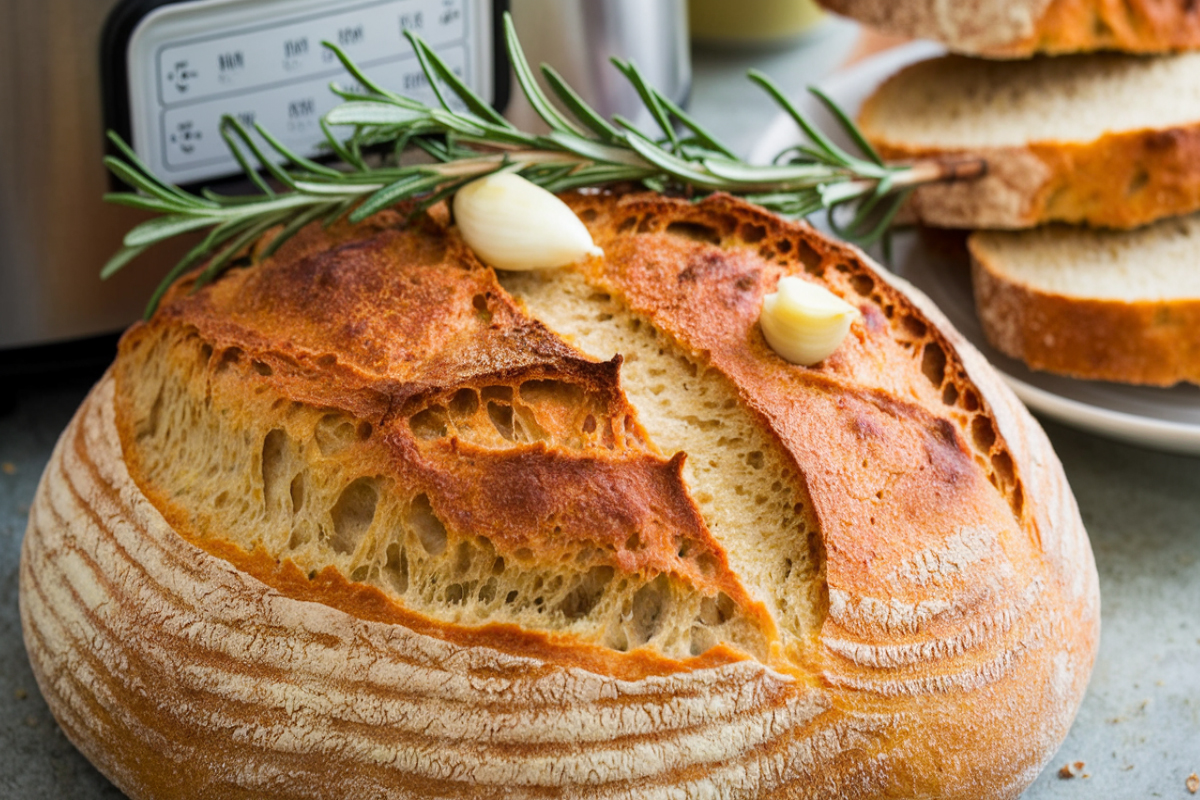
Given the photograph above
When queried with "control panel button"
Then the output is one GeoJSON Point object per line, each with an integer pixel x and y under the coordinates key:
{"type": "Point", "coordinates": [262, 60]}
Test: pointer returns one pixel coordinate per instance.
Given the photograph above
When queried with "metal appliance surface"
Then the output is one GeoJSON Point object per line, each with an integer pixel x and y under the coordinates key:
{"type": "Point", "coordinates": [177, 66]}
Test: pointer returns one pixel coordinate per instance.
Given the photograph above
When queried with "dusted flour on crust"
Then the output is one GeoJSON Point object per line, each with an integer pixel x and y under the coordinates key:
{"type": "Point", "coordinates": [366, 520]}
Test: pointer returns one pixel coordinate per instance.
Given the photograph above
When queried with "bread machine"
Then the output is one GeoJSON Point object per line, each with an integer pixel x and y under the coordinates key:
{"type": "Point", "coordinates": [163, 72]}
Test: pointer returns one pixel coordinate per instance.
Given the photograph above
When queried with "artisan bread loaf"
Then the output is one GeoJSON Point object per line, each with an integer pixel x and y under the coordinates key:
{"type": "Point", "coordinates": [1112, 305]}
{"type": "Point", "coordinates": [1106, 140]}
{"type": "Point", "coordinates": [366, 520]}
{"type": "Point", "coordinates": [1020, 28]}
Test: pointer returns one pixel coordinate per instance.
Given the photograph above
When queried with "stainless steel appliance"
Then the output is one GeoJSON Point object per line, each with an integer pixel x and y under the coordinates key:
{"type": "Point", "coordinates": [162, 73]}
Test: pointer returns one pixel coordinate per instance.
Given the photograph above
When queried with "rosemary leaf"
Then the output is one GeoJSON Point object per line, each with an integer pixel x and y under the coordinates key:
{"type": "Point", "coordinates": [216, 237]}
{"type": "Point", "coordinates": [472, 101]}
{"type": "Point", "coordinates": [232, 123]}
{"type": "Point", "coordinates": [250, 171]}
{"type": "Point", "coordinates": [293, 157]}
{"type": "Point", "coordinates": [156, 230]}
{"type": "Point", "coordinates": [336, 145]}
{"type": "Point", "coordinates": [649, 99]}
{"type": "Point", "coordinates": [674, 166]}
{"type": "Point", "coordinates": [582, 111]}
{"type": "Point", "coordinates": [120, 259]}
{"type": "Point", "coordinates": [702, 135]}
{"type": "Point", "coordinates": [422, 54]}
{"type": "Point", "coordinates": [390, 194]}
{"type": "Point", "coordinates": [525, 77]}
{"type": "Point", "coordinates": [847, 125]}
{"type": "Point", "coordinates": [372, 112]}
{"type": "Point", "coordinates": [145, 203]}
{"type": "Point", "coordinates": [361, 76]}
{"type": "Point", "coordinates": [138, 168]}
{"type": "Point", "coordinates": [823, 142]}
{"type": "Point", "coordinates": [220, 262]}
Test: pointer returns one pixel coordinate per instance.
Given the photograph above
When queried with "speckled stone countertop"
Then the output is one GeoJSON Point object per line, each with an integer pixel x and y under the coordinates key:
{"type": "Point", "coordinates": [1138, 732]}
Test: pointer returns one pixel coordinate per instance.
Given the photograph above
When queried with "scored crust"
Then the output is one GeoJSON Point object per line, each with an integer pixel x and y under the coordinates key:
{"type": "Point", "coordinates": [1118, 179]}
{"type": "Point", "coordinates": [928, 591]}
{"type": "Point", "coordinates": [1006, 29]}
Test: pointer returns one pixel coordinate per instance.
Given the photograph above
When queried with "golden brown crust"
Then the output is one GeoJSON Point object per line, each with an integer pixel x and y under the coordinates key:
{"type": "Point", "coordinates": [961, 595]}
{"type": "Point", "coordinates": [1144, 26]}
{"type": "Point", "coordinates": [1021, 29]}
{"type": "Point", "coordinates": [1120, 180]}
{"type": "Point", "coordinates": [969, 26]}
{"type": "Point", "coordinates": [1155, 343]}
{"type": "Point", "coordinates": [400, 318]}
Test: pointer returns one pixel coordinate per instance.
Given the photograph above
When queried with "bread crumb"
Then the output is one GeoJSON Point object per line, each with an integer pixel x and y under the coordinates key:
{"type": "Point", "coordinates": [1193, 783]}
{"type": "Point", "coordinates": [20, 694]}
{"type": "Point", "coordinates": [9, 468]}
{"type": "Point", "coordinates": [1072, 770]}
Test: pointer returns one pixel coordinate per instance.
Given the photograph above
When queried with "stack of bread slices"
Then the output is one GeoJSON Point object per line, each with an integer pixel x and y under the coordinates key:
{"type": "Point", "coordinates": [1086, 245]}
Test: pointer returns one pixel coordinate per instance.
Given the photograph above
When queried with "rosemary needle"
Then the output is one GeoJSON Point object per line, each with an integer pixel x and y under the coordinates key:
{"type": "Point", "coordinates": [468, 139]}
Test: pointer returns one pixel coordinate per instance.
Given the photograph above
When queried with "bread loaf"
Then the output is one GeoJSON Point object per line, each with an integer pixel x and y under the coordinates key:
{"type": "Point", "coordinates": [1109, 305]}
{"type": "Point", "coordinates": [1020, 28]}
{"type": "Point", "coordinates": [366, 520]}
{"type": "Point", "coordinates": [1105, 140]}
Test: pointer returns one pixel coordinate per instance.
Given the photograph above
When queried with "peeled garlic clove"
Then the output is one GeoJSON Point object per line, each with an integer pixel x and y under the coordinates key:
{"type": "Point", "coordinates": [805, 323]}
{"type": "Point", "coordinates": [513, 224]}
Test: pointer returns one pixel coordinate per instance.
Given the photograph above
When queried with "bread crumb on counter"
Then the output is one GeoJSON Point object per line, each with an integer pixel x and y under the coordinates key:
{"type": "Point", "coordinates": [1072, 770]}
{"type": "Point", "coordinates": [9, 468]}
{"type": "Point", "coordinates": [1193, 783]}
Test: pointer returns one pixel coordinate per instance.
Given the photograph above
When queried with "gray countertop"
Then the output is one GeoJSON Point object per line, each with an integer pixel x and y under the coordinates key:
{"type": "Point", "coordinates": [1138, 731]}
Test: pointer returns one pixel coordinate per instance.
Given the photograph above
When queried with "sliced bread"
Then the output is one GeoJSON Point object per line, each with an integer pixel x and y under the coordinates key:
{"type": "Point", "coordinates": [1020, 28]}
{"type": "Point", "coordinates": [1106, 140]}
{"type": "Point", "coordinates": [1110, 305]}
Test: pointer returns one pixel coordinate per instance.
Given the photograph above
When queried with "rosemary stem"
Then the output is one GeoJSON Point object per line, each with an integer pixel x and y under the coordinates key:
{"type": "Point", "coordinates": [919, 173]}
{"type": "Point", "coordinates": [481, 164]}
{"type": "Point", "coordinates": [939, 170]}
{"type": "Point", "coordinates": [582, 148]}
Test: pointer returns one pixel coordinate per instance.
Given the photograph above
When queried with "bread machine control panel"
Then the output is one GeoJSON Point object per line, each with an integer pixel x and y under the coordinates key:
{"type": "Point", "coordinates": [189, 63]}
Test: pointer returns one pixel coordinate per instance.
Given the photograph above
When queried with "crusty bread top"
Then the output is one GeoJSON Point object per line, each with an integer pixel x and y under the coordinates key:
{"type": "Point", "coordinates": [371, 413]}
{"type": "Point", "coordinates": [957, 103]}
{"type": "Point", "coordinates": [1020, 28]}
{"type": "Point", "coordinates": [368, 518]}
{"type": "Point", "coordinates": [972, 26]}
{"type": "Point", "coordinates": [1157, 262]}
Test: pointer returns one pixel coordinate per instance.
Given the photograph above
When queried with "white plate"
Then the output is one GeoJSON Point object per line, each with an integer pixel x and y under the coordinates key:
{"type": "Point", "coordinates": [1164, 419]}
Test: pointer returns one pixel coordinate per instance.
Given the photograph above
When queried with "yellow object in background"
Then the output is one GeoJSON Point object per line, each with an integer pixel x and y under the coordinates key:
{"type": "Point", "coordinates": [751, 22]}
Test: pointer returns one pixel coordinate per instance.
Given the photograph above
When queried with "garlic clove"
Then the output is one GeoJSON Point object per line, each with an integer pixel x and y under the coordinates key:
{"type": "Point", "coordinates": [513, 224]}
{"type": "Point", "coordinates": [805, 323]}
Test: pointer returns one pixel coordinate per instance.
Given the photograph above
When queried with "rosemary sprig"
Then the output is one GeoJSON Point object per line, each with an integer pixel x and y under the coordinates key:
{"type": "Point", "coordinates": [468, 139]}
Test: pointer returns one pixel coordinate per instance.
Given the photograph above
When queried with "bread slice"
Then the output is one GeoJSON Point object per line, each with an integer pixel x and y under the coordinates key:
{"type": "Point", "coordinates": [1112, 305]}
{"type": "Point", "coordinates": [1020, 28]}
{"type": "Point", "coordinates": [1107, 140]}
{"type": "Point", "coordinates": [367, 519]}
